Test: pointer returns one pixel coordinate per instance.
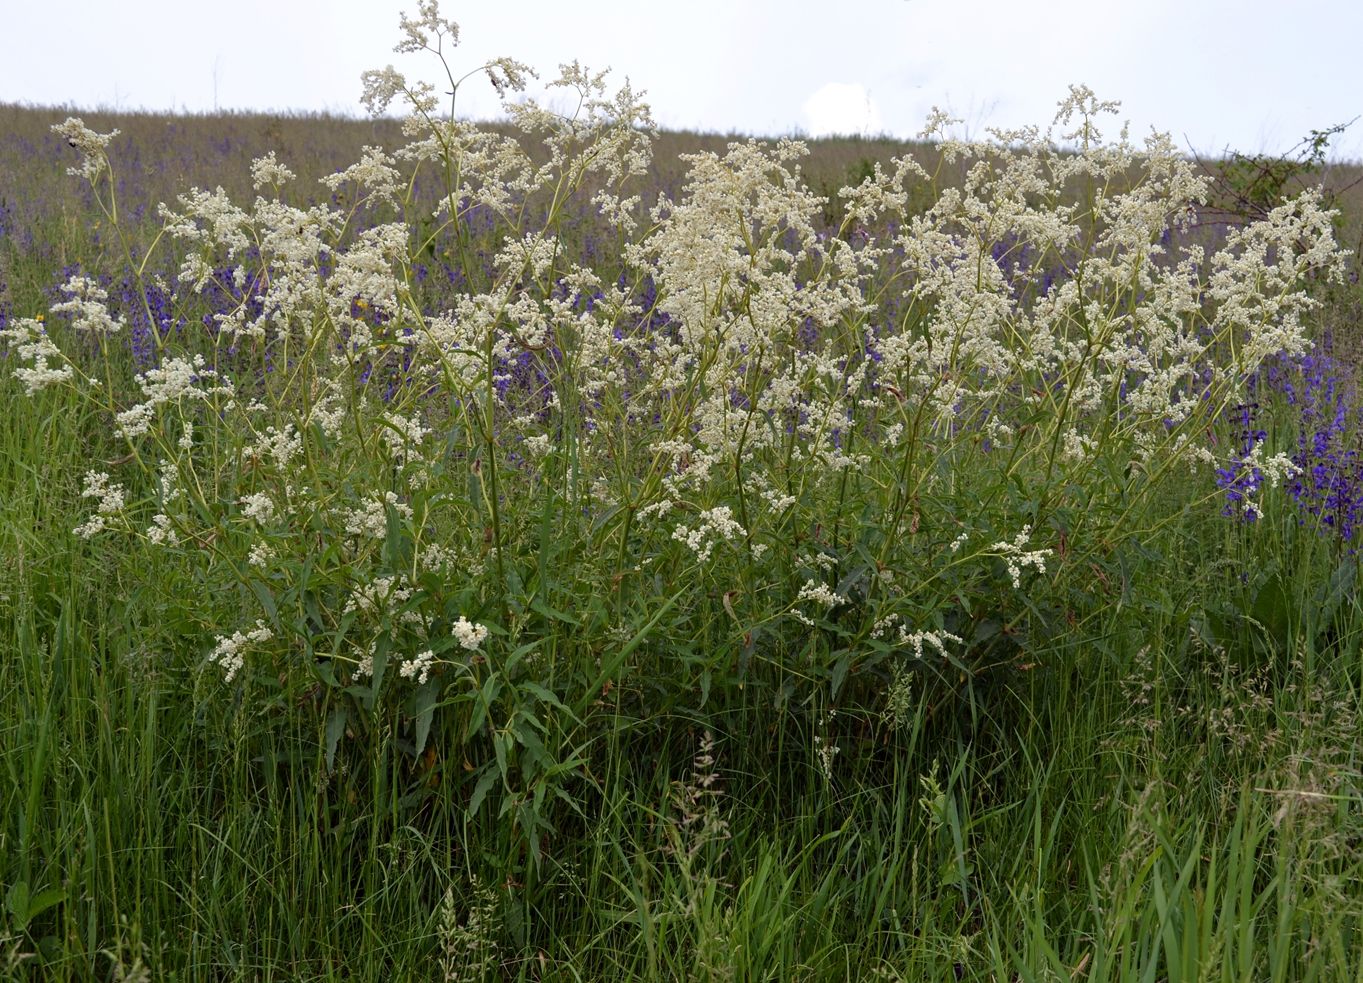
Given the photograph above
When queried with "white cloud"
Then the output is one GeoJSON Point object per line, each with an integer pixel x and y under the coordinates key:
{"type": "Point", "coordinates": [842, 108]}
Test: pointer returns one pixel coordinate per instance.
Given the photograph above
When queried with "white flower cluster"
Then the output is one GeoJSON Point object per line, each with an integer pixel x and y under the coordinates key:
{"type": "Point", "coordinates": [229, 652]}
{"type": "Point", "coordinates": [1077, 446]}
{"type": "Point", "coordinates": [259, 507]}
{"type": "Point", "coordinates": [278, 446]}
{"type": "Point", "coordinates": [435, 557]}
{"type": "Point", "coordinates": [370, 521]}
{"type": "Point", "coordinates": [404, 436]}
{"type": "Point", "coordinates": [29, 340]}
{"type": "Point", "coordinates": [656, 509]}
{"type": "Point", "coordinates": [914, 640]}
{"type": "Point", "coordinates": [268, 170]}
{"type": "Point", "coordinates": [817, 593]}
{"type": "Point", "coordinates": [383, 595]}
{"type": "Point", "coordinates": [1018, 558]}
{"type": "Point", "coordinates": [161, 533]}
{"type": "Point", "coordinates": [112, 499]}
{"type": "Point", "coordinates": [716, 525]}
{"type": "Point", "coordinates": [380, 86]}
{"type": "Point", "coordinates": [418, 668]}
{"type": "Point", "coordinates": [92, 146]}
{"type": "Point", "coordinates": [537, 445]}
{"type": "Point", "coordinates": [820, 594]}
{"type": "Point", "coordinates": [329, 412]}
{"type": "Point", "coordinates": [428, 22]}
{"type": "Point", "coordinates": [176, 379]}
{"type": "Point", "coordinates": [366, 273]}
{"type": "Point", "coordinates": [374, 172]}
{"type": "Point", "coordinates": [824, 748]}
{"type": "Point", "coordinates": [1274, 470]}
{"type": "Point", "coordinates": [207, 219]}
{"type": "Point", "coordinates": [469, 634]}
{"type": "Point", "coordinates": [87, 306]}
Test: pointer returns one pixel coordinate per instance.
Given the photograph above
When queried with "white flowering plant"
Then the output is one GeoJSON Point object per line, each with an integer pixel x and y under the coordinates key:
{"type": "Point", "coordinates": [742, 451]}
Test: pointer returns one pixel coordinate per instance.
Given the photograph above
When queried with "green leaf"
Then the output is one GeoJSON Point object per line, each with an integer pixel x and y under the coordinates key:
{"type": "Point", "coordinates": [517, 654]}
{"type": "Point", "coordinates": [1342, 585]}
{"type": "Point", "coordinates": [336, 723]}
{"type": "Point", "coordinates": [500, 744]}
{"type": "Point", "coordinates": [986, 630]}
{"type": "Point", "coordinates": [266, 599]}
{"type": "Point", "coordinates": [605, 517]}
{"type": "Point", "coordinates": [485, 783]}
{"type": "Point", "coordinates": [423, 709]}
{"type": "Point", "coordinates": [840, 673]}
{"type": "Point", "coordinates": [43, 900]}
{"type": "Point", "coordinates": [856, 584]}
{"type": "Point", "coordinates": [1273, 609]}
{"type": "Point", "coordinates": [534, 749]}
{"type": "Point", "coordinates": [394, 539]}
{"type": "Point", "coordinates": [553, 614]}
{"type": "Point", "coordinates": [482, 704]}
{"type": "Point", "coordinates": [24, 906]}
{"type": "Point", "coordinates": [327, 673]}
{"type": "Point", "coordinates": [543, 694]}
{"type": "Point", "coordinates": [530, 821]}
{"type": "Point", "coordinates": [381, 648]}
{"type": "Point", "coordinates": [16, 900]}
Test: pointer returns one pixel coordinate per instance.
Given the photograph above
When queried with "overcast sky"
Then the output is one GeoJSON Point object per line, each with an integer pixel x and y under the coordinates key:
{"type": "Point", "coordinates": [1252, 75]}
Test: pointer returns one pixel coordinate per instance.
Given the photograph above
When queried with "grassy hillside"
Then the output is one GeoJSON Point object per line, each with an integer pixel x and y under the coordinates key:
{"type": "Point", "coordinates": [443, 575]}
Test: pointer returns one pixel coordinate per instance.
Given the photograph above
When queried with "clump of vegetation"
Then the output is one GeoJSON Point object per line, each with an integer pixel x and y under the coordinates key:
{"type": "Point", "coordinates": [400, 546]}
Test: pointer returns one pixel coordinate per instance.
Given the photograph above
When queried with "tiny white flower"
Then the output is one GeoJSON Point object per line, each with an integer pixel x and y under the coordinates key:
{"type": "Point", "coordinates": [716, 525]}
{"type": "Point", "coordinates": [1016, 558]}
{"type": "Point", "coordinates": [820, 594]}
{"type": "Point", "coordinates": [161, 532]}
{"type": "Point", "coordinates": [419, 667]}
{"type": "Point", "coordinates": [470, 635]}
{"type": "Point", "coordinates": [229, 652]}
{"type": "Point", "coordinates": [112, 499]}
{"type": "Point", "coordinates": [258, 507]}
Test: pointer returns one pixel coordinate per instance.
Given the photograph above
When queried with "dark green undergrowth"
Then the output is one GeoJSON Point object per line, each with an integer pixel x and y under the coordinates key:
{"type": "Point", "coordinates": [1170, 792]}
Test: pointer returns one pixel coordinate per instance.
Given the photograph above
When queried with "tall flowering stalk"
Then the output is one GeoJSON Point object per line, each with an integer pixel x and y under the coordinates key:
{"type": "Point", "coordinates": [1325, 469]}
{"type": "Point", "coordinates": [1329, 483]}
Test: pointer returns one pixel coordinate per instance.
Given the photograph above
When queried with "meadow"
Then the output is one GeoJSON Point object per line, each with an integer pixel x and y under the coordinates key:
{"type": "Point", "coordinates": [560, 550]}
